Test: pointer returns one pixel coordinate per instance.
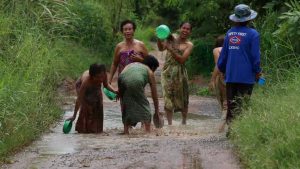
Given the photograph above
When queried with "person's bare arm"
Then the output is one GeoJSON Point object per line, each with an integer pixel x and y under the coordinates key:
{"type": "Point", "coordinates": [108, 85]}
{"type": "Point", "coordinates": [79, 88]}
{"type": "Point", "coordinates": [115, 63]}
{"type": "Point", "coordinates": [153, 90]}
{"type": "Point", "coordinates": [77, 103]}
{"type": "Point", "coordinates": [180, 58]}
{"type": "Point", "coordinates": [81, 92]}
{"type": "Point", "coordinates": [216, 53]}
{"type": "Point", "coordinates": [211, 84]}
{"type": "Point", "coordinates": [77, 106]}
{"type": "Point", "coordinates": [160, 45]}
{"type": "Point", "coordinates": [139, 56]}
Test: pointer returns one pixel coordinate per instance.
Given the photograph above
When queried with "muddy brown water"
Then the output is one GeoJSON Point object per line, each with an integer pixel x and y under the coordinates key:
{"type": "Point", "coordinates": [197, 145]}
{"type": "Point", "coordinates": [194, 146]}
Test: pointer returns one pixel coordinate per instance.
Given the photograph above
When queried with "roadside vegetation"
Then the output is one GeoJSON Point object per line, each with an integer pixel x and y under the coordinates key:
{"type": "Point", "coordinates": [267, 134]}
{"type": "Point", "coordinates": [41, 43]}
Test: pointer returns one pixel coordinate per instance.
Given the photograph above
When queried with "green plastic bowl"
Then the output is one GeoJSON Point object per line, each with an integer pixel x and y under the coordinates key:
{"type": "Point", "coordinates": [67, 126]}
{"type": "Point", "coordinates": [162, 31]}
{"type": "Point", "coordinates": [110, 95]}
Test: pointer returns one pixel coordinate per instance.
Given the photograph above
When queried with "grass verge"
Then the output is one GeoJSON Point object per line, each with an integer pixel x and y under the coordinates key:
{"type": "Point", "coordinates": [267, 135]}
{"type": "Point", "coordinates": [30, 72]}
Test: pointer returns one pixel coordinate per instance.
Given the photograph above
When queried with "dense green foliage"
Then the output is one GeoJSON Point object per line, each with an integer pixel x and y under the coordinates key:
{"type": "Point", "coordinates": [201, 60]}
{"type": "Point", "coordinates": [289, 27]}
{"type": "Point", "coordinates": [29, 78]}
{"type": "Point", "coordinates": [36, 53]}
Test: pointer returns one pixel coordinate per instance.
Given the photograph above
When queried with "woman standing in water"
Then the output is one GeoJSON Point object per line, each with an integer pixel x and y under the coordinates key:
{"type": "Point", "coordinates": [174, 78]}
{"type": "Point", "coordinates": [134, 104]}
{"type": "Point", "coordinates": [217, 81]}
{"type": "Point", "coordinates": [128, 51]}
{"type": "Point", "coordinates": [89, 100]}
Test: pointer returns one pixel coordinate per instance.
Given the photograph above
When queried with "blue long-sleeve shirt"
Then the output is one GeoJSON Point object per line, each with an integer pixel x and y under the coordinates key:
{"type": "Point", "coordinates": [240, 55]}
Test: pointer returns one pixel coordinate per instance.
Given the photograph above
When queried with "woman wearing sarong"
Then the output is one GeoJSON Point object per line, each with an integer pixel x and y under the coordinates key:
{"type": "Point", "coordinates": [89, 100]}
{"type": "Point", "coordinates": [128, 51]}
{"type": "Point", "coordinates": [174, 78]}
{"type": "Point", "coordinates": [134, 104]}
{"type": "Point", "coordinates": [217, 82]}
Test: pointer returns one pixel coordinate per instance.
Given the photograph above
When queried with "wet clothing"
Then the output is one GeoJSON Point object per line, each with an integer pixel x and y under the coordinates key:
{"type": "Point", "coordinates": [174, 80]}
{"type": "Point", "coordinates": [134, 104]}
{"type": "Point", "coordinates": [240, 55]}
{"type": "Point", "coordinates": [220, 85]}
{"type": "Point", "coordinates": [220, 90]}
{"type": "Point", "coordinates": [90, 118]}
{"type": "Point", "coordinates": [125, 59]}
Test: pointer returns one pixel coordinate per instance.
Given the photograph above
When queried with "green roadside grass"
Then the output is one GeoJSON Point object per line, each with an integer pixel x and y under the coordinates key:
{"type": "Point", "coordinates": [145, 34]}
{"type": "Point", "coordinates": [30, 73]}
{"type": "Point", "coordinates": [267, 135]}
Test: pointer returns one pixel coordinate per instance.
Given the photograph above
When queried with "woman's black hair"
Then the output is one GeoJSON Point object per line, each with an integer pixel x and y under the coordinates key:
{"type": "Point", "coordinates": [126, 22]}
{"type": "Point", "coordinates": [151, 62]}
{"type": "Point", "coordinates": [219, 41]}
{"type": "Point", "coordinates": [182, 23]}
{"type": "Point", "coordinates": [96, 69]}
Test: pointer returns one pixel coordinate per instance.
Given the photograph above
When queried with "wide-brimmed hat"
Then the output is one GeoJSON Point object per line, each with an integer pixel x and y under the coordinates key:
{"type": "Point", "coordinates": [242, 13]}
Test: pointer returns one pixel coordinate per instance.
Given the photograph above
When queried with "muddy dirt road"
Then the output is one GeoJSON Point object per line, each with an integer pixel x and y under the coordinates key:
{"type": "Point", "coordinates": [194, 146]}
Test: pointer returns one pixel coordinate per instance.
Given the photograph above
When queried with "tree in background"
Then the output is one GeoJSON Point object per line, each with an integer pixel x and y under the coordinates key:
{"type": "Point", "coordinates": [210, 19]}
{"type": "Point", "coordinates": [289, 26]}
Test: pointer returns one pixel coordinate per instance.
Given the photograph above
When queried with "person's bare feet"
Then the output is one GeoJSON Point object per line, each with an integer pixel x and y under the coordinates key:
{"type": "Point", "coordinates": [169, 117]}
{"type": "Point", "coordinates": [184, 116]}
{"type": "Point", "coordinates": [126, 129]}
{"type": "Point", "coordinates": [147, 127]}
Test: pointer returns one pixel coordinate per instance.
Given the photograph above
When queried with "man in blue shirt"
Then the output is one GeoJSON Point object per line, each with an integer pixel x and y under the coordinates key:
{"type": "Point", "coordinates": [240, 59]}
